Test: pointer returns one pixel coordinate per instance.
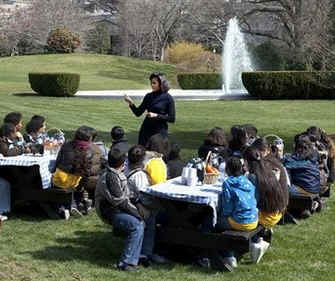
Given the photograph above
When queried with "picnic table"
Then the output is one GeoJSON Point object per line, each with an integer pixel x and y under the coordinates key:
{"type": "Point", "coordinates": [30, 179]}
{"type": "Point", "coordinates": [186, 207]}
{"type": "Point", "coordinates": [207, 195]}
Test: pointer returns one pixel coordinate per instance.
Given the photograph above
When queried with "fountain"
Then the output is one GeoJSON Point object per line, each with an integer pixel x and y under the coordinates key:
{"type": "Point", "coordinates": [235, 60]}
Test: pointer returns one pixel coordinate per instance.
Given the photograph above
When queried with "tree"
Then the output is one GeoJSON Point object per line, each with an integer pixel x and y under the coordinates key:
{"type": "Point", "coordinates": [98, 38]}
{"type": "Point", "coordinates": [148, 27]}
{"type": "Point", "coordinates": [36, 20]}
{"type": "Point", "coordinates": [300, 24]}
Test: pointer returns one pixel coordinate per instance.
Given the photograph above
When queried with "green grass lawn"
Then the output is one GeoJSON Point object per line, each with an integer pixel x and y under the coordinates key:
{"type": "Point", "coordinates": [97, 72]}
{"type": "Point", "coordinates": [35, 248]}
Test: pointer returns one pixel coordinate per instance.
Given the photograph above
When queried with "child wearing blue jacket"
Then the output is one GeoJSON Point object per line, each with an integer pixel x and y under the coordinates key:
{"type": "Point", "coordinates": [238, 202]}
{"type": "Point", "coordinates": [237, 209]}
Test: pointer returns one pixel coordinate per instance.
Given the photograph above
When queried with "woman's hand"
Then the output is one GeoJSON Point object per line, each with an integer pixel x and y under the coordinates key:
{"type": "Point", "coordinates": [128, 100]}
{"type": "Point", "coordinates": [152, 115]}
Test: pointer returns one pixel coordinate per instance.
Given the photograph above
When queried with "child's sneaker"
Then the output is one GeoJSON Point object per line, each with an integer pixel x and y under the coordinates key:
{"type": "Point", "coordinates": [231, 261]}
{"type": "Point", "coordinates": [257, 250]}
{"type": "Point", "coordinates": [75, 212]}
{"type": "Point", "coordinates": [3, 218]}
{"type": "Point", "coordinates": [204, 262]}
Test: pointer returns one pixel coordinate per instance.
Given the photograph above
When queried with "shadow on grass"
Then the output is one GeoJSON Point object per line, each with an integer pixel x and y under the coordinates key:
{"type": "Point", "coordinates": [32, 94]}
{"type": "Point", "coordinates": [96, 247]}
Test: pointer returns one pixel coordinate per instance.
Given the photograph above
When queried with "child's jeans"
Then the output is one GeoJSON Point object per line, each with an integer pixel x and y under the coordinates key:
{"type": "Point", "coordinates": [4, 196]}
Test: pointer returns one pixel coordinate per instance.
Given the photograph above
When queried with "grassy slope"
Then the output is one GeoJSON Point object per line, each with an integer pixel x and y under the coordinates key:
{"type": "Point", "coordinates": [98, 72]}
{"type": "Point", "coordinates": [35, 248]}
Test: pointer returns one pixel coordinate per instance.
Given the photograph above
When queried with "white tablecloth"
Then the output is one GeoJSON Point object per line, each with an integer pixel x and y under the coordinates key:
{"type": "Point", "coordinates": [46, 164]}
{"type": "Point", "coordinates": [200, 194]}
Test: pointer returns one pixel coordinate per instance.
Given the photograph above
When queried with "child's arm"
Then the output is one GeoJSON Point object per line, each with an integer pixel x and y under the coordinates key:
{"type": "Point", "coordinates": [227, 203]}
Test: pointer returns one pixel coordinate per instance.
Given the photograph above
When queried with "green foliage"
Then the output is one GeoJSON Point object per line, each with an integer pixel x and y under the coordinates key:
{"type": "Point", "coordinates": [290, 84]}
{"type": "Point", "coordinates": [54, 84]}
{"type": "Point", "coordinates": [200, 80]}
{"type": "Point", "coordinates": [62, 40]}
{"type": "Point", "coordinates": [266, 57]}
{"type": "Point", "coordinates": [98, 39]}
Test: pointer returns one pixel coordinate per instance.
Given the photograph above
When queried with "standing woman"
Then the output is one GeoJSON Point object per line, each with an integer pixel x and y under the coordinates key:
{"type": "Point", "coordinates": [160, 108]}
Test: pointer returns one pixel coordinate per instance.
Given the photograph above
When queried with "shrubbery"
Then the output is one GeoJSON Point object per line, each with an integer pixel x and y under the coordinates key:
{"type": "Point", "coordinates": [267, 57]}
{"type": "Point", "coordinates": [208, 80]}
{"type": "Point", "coordinates": [290, 84]}
{"type": "Point", "coordinates": [55, 84]}
{"type": "Point", "coordinates": [62, 40]}
{"type": "Point", "coordinates": [192, 57]}
{"type": "Point", "coordinates": [182, 51]}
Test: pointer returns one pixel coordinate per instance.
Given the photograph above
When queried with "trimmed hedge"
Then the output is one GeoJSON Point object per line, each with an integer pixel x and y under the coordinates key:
{"type": "Point", "coordinates": [290, 84]}
{"type": "Point", "coordinates": [206, 80]}
{"type": "Point", "coordinates": [54, 84]}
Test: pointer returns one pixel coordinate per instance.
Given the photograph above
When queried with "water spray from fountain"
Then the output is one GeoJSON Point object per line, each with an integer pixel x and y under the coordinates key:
{"type": "Point", "coordinates": [235, 59]}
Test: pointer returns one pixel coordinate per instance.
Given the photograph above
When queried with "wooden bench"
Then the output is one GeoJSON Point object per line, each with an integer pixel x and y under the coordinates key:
{"type": "Point", "coordinates": [238, 241]}
{"type": "Point", "coordinates": [43, 197]}
{"type": "Point", "coordinates": [300, 202]}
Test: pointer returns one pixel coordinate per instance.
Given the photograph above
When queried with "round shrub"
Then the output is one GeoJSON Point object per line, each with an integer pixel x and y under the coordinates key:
{"type": "Point", "coordinates": [54, 84]}
{"type": "Point", "coordinates": [290, 84]}
{"type": "Point", "coordinates": [208, 80]}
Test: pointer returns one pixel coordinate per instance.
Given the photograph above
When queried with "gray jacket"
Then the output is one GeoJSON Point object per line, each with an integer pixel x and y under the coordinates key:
{"type": "Point", "coordinates": [112, 195]}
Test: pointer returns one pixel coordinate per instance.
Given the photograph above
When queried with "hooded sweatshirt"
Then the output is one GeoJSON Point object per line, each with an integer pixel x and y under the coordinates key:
{"type": "Point", "coordinates": [303, 173]}
{"type": "Point", "coordinates": [238, 201]}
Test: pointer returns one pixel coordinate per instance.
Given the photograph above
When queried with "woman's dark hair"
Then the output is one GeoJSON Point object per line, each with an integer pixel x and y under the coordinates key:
{"type": "Point", "coordinates": [160, 144]}
{"type": "Point", "coordinates": [261, 144]}
{"type": "Point", "coordinates": [116, 158]}
{"type": "Point", "coordinates": [163, 82]}
{"type": "Point", "coordinates": [13, 117]}
{"type": "Point", "coordinates": [251, 130]}
{"type": "Point", "coordinates": [304, 147]}
{"type": "Point", "coordinates": [318, 134]}
{"type": "Point", "coordinates": [94, 133]}
{"type": "Point", "coordinates": [136, 156]}
{"type": "Point", "coordinates": [216, 137]}
{"type": "Point", "coordinates": [117, 133]}
{"type": "Point", "coordinates": [35, 124]}
{"type": "Point", "coordinates": [7, 129]}
{"type": "Point", "coordinates": [234, 167]}
{"type": "Point", "coordinates": [83, 133]}
{"type": "Point", "coordinates": [174, 152]}
{"type": "Point", "coordinates": [238, 138]}
{"type": "Point", "coordinates": [40, 118]}
{"type": "Point", "coordinates": [273, 197]}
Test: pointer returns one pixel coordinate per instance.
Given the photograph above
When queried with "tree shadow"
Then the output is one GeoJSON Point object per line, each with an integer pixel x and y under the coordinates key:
{"type": "Point", "coordinates": [101, 248]}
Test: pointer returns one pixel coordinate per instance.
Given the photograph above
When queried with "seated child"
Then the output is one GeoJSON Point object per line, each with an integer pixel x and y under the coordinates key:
{"type": "Point", "coordinates": [251, 131]}
{"type": "Point", "coordinates": [238, 208]}
{"type": "Point", "coordinates": [215, 140]}
{"type": "Point", "coordinates": [303, 168]}
{"type": "Point", "coordinates": [73, 162]}
{"type": "Point", "coordinates": [119, 139]}
{"type": "Point", "coordinates": [174, 164]}
{"type": "Point", "coordinates": [15, 118]}
{"type": "Point", "coordinates": [271, 195]}
{"type": "Point", "coordinates": [98, 162]}
{"type": "Point", "coordinates": [238, 141]}
{"type": "Point", "coordinates": [154, 160]}
{"type": "Point", "coordinates": [115, 206]}
{"type": "Point", "coordinates": [35, 130]}
{"type": "Point", "coordinates": [326, 151]}
{"type": "Point", "coordinates": [8, 141]}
